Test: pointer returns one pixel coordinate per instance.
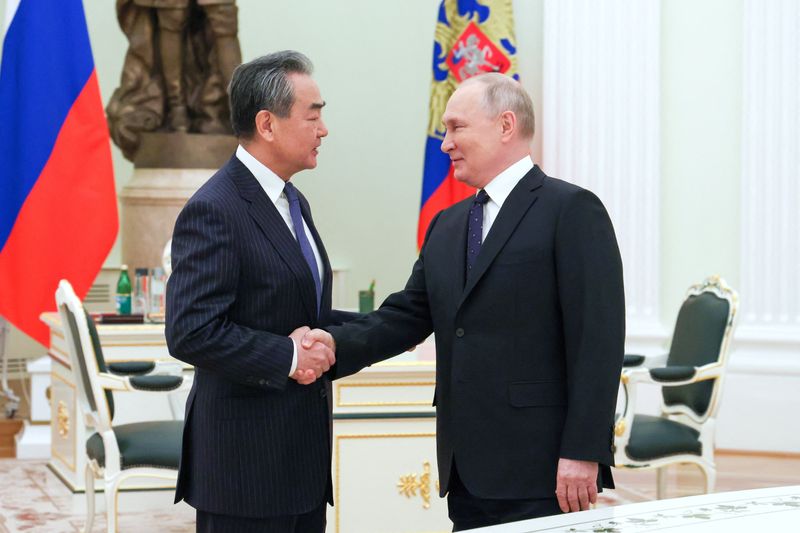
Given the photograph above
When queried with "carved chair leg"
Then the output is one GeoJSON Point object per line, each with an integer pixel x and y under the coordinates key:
{"type": "Point", "coordinates": [112, 488]}
{"type": "Point", "coordinates": [89, 499]}
{"type": "Point", "coordinates": [710, 474]}
{"type": "Point", "coordinates": [661, 482]}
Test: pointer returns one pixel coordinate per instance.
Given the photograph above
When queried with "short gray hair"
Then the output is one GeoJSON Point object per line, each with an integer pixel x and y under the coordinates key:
{"type": "Point", "coordinates": [503, 93]}
{"type": "Point", "coordinates": [263, 84]}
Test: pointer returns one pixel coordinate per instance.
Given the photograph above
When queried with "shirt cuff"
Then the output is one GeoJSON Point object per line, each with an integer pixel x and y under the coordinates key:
{"type": "Point", "coordinates": [294, 358]}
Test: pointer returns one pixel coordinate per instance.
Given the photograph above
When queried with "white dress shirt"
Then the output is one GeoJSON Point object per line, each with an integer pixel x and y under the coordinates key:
{"type": "Point", "coordinates": [499, 188]}
{"type": "Point", "coordinates": [273, 186]}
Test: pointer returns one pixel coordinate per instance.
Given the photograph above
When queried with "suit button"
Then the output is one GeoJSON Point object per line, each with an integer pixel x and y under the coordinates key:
{"type": "Point", "coordinates": [323, 393]}
{"type": "Point", "coordinates": [460, 332]}
{"type": "Point", "coordinates": [263, 382]}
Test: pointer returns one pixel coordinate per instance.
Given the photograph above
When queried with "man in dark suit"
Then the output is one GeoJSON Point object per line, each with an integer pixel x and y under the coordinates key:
{"type": "Point", "coordinates": [522, 286]}
{"type": "Point", "coordinates": [248, 268]}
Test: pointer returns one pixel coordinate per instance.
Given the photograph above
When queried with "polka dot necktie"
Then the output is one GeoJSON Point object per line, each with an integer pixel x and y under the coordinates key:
{"type": "Point", "coordinates": [475, 228]}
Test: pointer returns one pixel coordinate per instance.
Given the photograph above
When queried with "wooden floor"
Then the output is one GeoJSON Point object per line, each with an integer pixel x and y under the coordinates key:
{"type": "Point", "coordinates": [735, 471]}
{"type": "Point", "coordinates": [33, 499]}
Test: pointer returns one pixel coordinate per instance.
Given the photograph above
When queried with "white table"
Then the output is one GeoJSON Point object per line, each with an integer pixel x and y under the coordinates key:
{"type": "Point", "coordinates": [760, 510]}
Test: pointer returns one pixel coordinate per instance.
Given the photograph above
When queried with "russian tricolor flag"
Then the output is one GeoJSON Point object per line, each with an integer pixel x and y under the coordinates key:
{"type": "Point", "coordinates": [471, 37]}
{"type": "Point", "coordinates": [58, 209]}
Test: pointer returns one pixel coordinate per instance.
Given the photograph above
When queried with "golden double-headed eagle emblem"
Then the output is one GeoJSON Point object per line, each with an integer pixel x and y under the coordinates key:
{"type": "Point", "coordinates": [472, 37]}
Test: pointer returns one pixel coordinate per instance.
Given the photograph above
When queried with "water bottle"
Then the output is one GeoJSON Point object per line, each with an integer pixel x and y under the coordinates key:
{"type": "Point", "coordinates": [123, 292]}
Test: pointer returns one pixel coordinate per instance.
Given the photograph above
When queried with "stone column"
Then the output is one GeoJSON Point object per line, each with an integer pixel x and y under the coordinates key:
{"type": "Point", "coordinates": [168, 169]}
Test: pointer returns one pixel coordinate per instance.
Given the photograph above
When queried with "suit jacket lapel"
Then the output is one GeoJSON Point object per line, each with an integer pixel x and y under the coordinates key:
{"type": "Point", "coordinates": [275, 230]}
{"type": "Point", "coordinates": [522, 197]}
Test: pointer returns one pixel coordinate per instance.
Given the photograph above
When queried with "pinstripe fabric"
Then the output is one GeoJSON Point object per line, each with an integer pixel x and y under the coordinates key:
{"type": "Point", "coordinates": [255, 443]}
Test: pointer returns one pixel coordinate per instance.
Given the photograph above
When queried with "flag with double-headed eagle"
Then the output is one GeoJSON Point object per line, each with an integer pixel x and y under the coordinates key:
{"type": "Point", "coordinates": [472, 37]}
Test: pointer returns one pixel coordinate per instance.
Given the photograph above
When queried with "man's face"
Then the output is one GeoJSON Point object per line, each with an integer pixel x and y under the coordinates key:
{"type": "Point", "coordinates": [473, 137]}
{"type": "Point", "coordinates": [298, 136]}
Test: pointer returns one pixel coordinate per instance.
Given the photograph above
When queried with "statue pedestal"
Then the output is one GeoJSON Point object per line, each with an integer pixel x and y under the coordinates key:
{"type": "Point", "coordinates": [168, 169]}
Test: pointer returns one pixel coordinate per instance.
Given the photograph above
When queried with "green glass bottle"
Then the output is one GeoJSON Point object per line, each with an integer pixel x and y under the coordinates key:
{"type": "Point", "coordinates": [124, 292]}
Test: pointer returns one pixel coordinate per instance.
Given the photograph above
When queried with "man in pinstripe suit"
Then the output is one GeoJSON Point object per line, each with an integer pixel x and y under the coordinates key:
{"type": "Point", "coordinates": [249, 269]}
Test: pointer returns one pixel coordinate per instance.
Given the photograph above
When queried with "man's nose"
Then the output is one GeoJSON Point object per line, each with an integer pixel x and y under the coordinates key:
{"type": "Point", "coordinates": [447, 144]}
{"type": "Point", "coordinates": [323, 129]}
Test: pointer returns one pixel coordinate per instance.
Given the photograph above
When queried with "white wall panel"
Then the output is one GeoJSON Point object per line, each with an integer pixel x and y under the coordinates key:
{"type": "Point", "coordinates": [600, 126]}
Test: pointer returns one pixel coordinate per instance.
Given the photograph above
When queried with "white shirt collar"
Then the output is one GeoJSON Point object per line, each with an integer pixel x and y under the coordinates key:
{"type": "Point", "coordinates": [501, 186]}
{"type": "Point", "coordinates": [269, 181]}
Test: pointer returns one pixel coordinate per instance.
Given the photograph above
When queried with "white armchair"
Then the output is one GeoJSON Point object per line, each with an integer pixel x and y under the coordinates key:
{"type": "Point", "coordinates": [691, 377]}
{"type": "Point", "coordinates": [117, 453]}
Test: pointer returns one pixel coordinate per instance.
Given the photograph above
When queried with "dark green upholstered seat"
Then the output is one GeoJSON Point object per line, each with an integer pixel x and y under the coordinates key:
{"type": "Point", "coordinates": [156, 444]}
{"type": "Point", "coordinates": [698, 335]}
{"type": "Point", "coordinates": [653, 437]}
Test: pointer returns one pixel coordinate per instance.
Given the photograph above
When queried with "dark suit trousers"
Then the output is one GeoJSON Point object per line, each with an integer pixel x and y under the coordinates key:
{"type": "Point", "coordinates": [313, 522]}
{"type": "Point", "coordinates": [468, 512]}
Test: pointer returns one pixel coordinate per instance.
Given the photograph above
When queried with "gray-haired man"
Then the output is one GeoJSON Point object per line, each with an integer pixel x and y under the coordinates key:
{"type": "Point", "coordinates": [249, 269]}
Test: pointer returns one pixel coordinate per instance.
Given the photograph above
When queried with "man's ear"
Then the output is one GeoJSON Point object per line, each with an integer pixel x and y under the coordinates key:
{"type": "Point", "coordinates": [508, 125]}
{"type": "Point", "coordinates": [265, 122]}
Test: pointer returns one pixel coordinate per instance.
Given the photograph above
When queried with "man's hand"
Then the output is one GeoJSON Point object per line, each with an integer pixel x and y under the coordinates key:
{"type": "Point", "coordinates": [576, 484]}
{"type": "Point", "coordinates": [313, 359]}
{"type": "Point", "coordinates": [321, 336]}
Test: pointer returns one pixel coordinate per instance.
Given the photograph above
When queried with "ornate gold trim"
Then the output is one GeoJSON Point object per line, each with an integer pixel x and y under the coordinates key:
{"type": "Point", "coordinates": [619, 428]}
{"type": "Point", "coordinates": [408, 485]}
{"type": "Point", "coordinates": [339, 438]}
{"type": "Point", "coordinates": [341, 386]}
{"type": "Point", "coordinates": [62, 420]}
{"type": "Point", "coordinates": [54, 428]}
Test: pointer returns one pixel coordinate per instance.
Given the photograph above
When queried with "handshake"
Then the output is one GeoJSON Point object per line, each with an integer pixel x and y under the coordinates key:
{"type": "Point", "coordinates": [315, 354]}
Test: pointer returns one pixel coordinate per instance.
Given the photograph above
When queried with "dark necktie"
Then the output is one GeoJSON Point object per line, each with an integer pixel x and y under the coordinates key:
{"type": "Point", "coordinates": [475, 228]}
{"type": "Point", "coordinates": [302, 240]}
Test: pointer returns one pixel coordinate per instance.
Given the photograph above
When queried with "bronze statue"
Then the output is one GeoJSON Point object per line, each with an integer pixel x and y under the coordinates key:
{"type": "Point", "coordinates": [176, 72]}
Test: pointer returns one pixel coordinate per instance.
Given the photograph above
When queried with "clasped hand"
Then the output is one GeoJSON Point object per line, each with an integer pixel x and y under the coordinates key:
{"type": "Point", "coordinates": [315, 353]}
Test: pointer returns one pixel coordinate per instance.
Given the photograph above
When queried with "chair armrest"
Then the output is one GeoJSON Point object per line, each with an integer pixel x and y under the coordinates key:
{"type": "Point", "coordinates": [153, 383]}
{"type": "Point", "coordinates": [668, 378]}
{"type": "Point", "coordinates": [631, 360]}
{"type": "Point", "coordinates": [669, 374]}
{"type": "Point", "coordinates": [145, 368]}
{"type": "Point", "coordinates": [131, 368]}
{"type": "Point", "coordinates": [156, 383]}
{"type": "Point", "coordinates": [650, 361]}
